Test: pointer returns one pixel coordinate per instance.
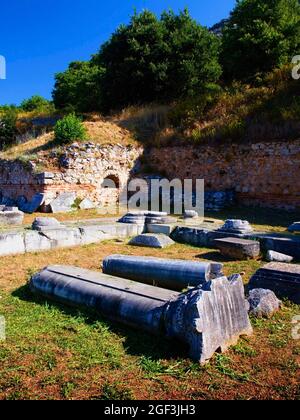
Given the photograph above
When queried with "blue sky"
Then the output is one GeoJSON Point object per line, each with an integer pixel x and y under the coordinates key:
{"type": "Point", "coordinates": [39, 38]}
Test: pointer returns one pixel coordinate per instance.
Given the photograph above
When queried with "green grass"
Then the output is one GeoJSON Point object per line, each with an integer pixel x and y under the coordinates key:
{"type": "Point", "coordinates": [56, 352]}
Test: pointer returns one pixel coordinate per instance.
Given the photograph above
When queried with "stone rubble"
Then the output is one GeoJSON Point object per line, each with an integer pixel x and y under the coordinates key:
{"type": "Point", "coordinates": [263, 303]}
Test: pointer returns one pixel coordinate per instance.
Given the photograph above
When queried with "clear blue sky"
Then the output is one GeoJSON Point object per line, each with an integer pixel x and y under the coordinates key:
{"type": "Point", "coordinates": [41, 37]}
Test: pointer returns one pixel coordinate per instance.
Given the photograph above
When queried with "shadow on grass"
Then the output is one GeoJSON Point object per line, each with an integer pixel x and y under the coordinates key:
{"type": "Point", "coordinates": [137, 342]}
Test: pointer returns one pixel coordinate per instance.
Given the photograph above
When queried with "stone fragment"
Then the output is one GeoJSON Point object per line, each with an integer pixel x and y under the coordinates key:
{"type": "Point", "coordinates": [263, 303]}
{"type": "Point", "coordinates": [14, 218]}
{"type": "Point", "coordinates": [170, 274]}
{"type": "Point", "coordinates": [278, 257]}
{"type": "Point", "coordinates": [190, 214]}
{"type": "Point", "coordinates": [282, 279]}
{"type": "Point", "coordinates": [63, 202]}
{"type": "Point", "coordinates": [137, 218]}
{"type": "Point", "coordinates": [87, 204]}
{"type": "Point", "coordinates": [152, 240]}
{"type": "Point", "coordinates": [164, 229]}
{"type": "Point", "coordinates": [295, 227]}
{"type": "Point", "coordinates": [236, 226]}
{"type": "Point", "coordinates": [45, 223]}
{"type": "Point", "coordinates": [32, 205]}
{"type": "Point", "coordinates": [238, 249]}
{"type": "Point", "coordinates": [207, 319]}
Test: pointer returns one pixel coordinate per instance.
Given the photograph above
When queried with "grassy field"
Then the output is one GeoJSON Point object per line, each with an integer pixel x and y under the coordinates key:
{"type": "Point", "coordinates": [54, 352]}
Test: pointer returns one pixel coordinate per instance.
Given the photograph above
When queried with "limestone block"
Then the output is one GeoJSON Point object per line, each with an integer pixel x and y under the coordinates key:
{"type": "Point", "coordinates": [61, 238]}
{"type": "Point", "coordinates": [282, 279]}
{"type": "Point", "coordinates": [36, 242]}
{"type": "Point", "coordinates": [161, 229]}
{"type": "Point", "coordinates": [63, 203]}
{"type": "Point", "coordinates": [11, 218]}
{"type": "Point", "coordinates": [87, 204]}
{"type": "Point", "coordinates": [278, 257]}
{"type": "Point", "coordinates": [45, 223]}
{"type": "Point", "coordinates": [236, 226]}
{"type": "Point", "coordinates": [239, 249]}
{"type": "Point", "coordinates": [12, 243]}
{"type": "Point", "coordinates": [151, 240]}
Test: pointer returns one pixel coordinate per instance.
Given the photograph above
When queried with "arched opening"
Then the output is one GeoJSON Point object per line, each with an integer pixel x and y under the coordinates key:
{"type": "Point", "coordinates": [111, 182]}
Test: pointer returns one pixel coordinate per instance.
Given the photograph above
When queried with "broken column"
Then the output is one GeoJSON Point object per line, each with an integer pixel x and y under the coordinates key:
{"type": "Point", "coordinates": [207, 319]}
{"type": "Point", "coordinates": [170, 274]}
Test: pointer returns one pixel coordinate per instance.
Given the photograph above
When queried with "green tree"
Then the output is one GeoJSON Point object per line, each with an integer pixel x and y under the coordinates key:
{"type": "Point", "coordinates": [79, 87]}
{"type": "Point", "coordinates": [8, 127]}
{"type": "Point", "coordinates": [259, 36]}
{"type": "Point", "coordinates": [154, 59]}
{"type": "Point", "coordinates": [35, 103]}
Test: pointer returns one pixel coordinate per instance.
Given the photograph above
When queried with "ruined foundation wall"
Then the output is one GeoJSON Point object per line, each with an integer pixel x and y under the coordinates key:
{"type": "Point", "coordinates": [266, 174]}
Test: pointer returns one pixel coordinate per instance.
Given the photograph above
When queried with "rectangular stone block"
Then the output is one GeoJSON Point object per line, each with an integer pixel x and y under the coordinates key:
{"type": "Point", "coordinates": [161, 229]}
{"type": "Point", "coordinates": [283, 279]}
{"type": "Point", "coordinates": [12, 243]}
{"type": "Point", "coordinates": [238, 249]}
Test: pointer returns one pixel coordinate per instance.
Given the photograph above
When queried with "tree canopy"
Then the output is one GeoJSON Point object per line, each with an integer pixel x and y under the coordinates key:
{"type": "Point", "coordinates": [259, 36]}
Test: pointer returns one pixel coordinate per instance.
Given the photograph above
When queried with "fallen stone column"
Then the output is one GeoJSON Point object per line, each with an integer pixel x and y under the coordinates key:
{"type": "Point", "coordinates": [206, 319]}
{"type": "Point", "coordinates": [170, 274]}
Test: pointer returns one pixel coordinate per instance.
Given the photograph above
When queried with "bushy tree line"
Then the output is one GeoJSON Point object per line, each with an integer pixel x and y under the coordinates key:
{"type": "Point", "coordinates": [173, 57]}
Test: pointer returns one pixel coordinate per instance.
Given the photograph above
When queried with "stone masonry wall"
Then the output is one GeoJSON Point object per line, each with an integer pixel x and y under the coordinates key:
{"type": "Point", "coordinates": [265, 174]}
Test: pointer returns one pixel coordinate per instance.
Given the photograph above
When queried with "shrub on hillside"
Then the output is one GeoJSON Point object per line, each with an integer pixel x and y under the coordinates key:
{"type": "Point", "coordinates": [37, 104]}
{"type": "Point", "coordinates": [69, 129]}
{"type": "Point", "coordinates": [8, 127]}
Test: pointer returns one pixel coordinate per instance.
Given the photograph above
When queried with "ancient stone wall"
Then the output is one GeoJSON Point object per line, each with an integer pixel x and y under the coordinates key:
{"type": "Point", "coordinates": [266, 174]}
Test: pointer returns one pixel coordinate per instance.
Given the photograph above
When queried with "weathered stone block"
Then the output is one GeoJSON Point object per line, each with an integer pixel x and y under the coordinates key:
{"type": "Point", "coordinates": [8, 218]}
{"type": "Point", "coordinates": [263, 303]}
{"type": "Point", "coordinates": [282, 279]}
{"type": "Point", "coordinates": [87, 204]}
{"type": "Point", "coordinates": [190, 214]}
{"type": "Point", "coordinates": [237, 226]}
{"type": "Point", "coordinates": [239, 249]}
{"type": "Point", "coordinates": [36, 242]}
{"type": "Point", "coordinates": [63, 203]}
{"type": "Point", "coordinates": [161, 229]}
{"type": "Point", "coordinates": [152, 240]}
{"type": "Point", "coordinates": [278, 257]}
{"type": "Point", "coordinates": [45, 223]}
{"type": "Point", "coordinates": [12, 243]}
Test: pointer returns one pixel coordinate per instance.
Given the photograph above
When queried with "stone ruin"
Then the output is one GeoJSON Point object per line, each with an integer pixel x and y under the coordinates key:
{"type": "Point", "coordinates": [209, 318]}
{"type": "Point", "coordinates": [10, 216]}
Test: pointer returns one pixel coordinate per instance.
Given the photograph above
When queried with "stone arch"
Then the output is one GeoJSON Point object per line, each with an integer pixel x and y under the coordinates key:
{"type": "Point", "coordinates": [111, 181]}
